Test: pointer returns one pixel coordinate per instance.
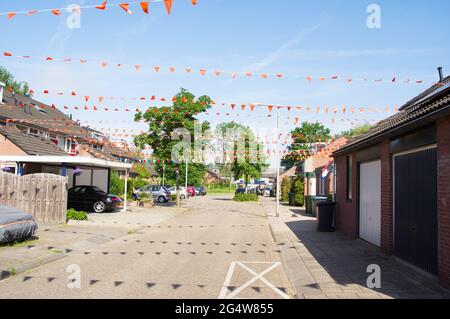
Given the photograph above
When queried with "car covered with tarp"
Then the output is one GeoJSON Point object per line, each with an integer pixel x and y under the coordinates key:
{"type": "Point", "coordinates": [15, 225]}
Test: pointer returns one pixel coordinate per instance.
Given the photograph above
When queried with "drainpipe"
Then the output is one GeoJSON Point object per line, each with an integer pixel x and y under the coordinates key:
{"type": "Point", "coordinates": [108, 186]}
{"type": "Point", "coordinates": [64, 170]}
{"type": "Point", "coordinates": [126, 191]}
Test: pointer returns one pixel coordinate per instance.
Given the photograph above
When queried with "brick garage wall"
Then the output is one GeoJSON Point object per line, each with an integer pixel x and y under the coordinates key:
{"type": "Point", "coordinates": [387, 222]}
{"type": "Point", "coordinates": [443, 141]}
{"type": "Point", "coordinates": [346, 211]}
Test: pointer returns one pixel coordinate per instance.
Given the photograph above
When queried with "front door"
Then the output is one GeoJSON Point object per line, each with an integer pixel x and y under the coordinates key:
{"type": "Point", "coordinates": [370, 202]}
{"type": "Point", "coordinates": [416, 208]}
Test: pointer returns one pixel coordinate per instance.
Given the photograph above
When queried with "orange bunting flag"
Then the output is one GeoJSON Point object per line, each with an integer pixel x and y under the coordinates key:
{"type": "Point", "coordinates": [7, 54]}
{"type": "Point", "coordinates": [56, 12]}
{"type": "Point", "coordinates": [194, 2]}
{"type": "Point", "coordinates": [137, 66]}
{"type": "Point", "coordinates": [102, 6]}
{"type": "Point", "coordinates": [234, 75]}
{"type": "Point", "coordinates": [270, 108]}
{"type": "Point", "coordinates": [252, 107]}
{"type": "Point", "coordinates": [264, 76]}
{"type": "Point", "coordinates": [172, 69]}
{"type": "Point", "coordinates": [248, 74]}
{"type": "Point", "coordinates": [217, 73]}
{"type": "Point", "coordinates": [202, 72]}
{"type": "Point", "coordinates": [125, 7]}
{"type": "Point", "coordinates": [104, 64]}
{"type": "Point", "coordinates": [30, 13]}
{"type": "Point", "coordinates": [144, 6]}
{"type": "Point", "coordinates": [243, 107]}
{"type": "Point", "coordinates": [168, 4]}
{"type": "Point", "coordinates": [233, 106]}
{"type": "Point", "coordinates": [73, 93]}
{"type": "Point", "coordinates": [157, 68]}
{"type": "Point", "coordinates": [100, 98]}
{"type": "Point", "coordinates": [295, 120]}
{"type": "Point", "coordinates": [188, 70]}
{"type": "Point", "coordinates": [86, 98]}
{"type": "Point", "coordinates": [11, 15]}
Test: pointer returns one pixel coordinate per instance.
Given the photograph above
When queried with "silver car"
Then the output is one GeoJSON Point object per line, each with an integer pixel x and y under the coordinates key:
{"type": "Point", "coordinates": [159, 193]}
{"type": "Point", "coordinates": [183, 193]}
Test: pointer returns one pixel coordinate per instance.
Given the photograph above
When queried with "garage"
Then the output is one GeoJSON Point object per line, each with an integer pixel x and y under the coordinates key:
{"type": "Point", "coordinates": [415, 208]}
{"type": "Point", "coordinates": [370, 202]}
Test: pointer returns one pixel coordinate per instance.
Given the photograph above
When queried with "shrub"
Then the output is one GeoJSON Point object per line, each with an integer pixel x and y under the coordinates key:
{"type": "Point", "coordinates": [285, 189]}
{"type": "Point", "coordinates": [246, 198]}
{"type": "Point", "coordinates": [73, 214]}
{"type": "Point", "coordinates": [298, 187]}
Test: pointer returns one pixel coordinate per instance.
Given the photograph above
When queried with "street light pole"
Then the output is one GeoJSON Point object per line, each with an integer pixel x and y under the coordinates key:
{"type": "Point", "coordinates": [164, 172]}
{"type": "Point", "coordinates": [278, 163]}
{"type": "Point", "coordinates": [186, 179]}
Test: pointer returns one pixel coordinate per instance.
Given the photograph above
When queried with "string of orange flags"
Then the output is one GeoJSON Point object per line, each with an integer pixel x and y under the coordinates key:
{"type": "Point", "coordinates": [307, 109]}
{"type": "Point", "coordinates": [158, 69]}
{"type": "Point", "coordinates": [251, 106]}
{"type": "Point", "coordinates": [232, 105]}
{"type": "Point", "coordinates": [144, 6]}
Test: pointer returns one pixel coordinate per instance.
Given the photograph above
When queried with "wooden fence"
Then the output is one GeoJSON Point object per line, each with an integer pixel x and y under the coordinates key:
{"type": "Point", "coordinates": [42, 195]}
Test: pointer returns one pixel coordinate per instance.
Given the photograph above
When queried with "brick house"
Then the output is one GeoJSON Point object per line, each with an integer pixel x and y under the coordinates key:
{"type": "Point", "coordinates": [318, 169]}
{"type": "Point", "coordinates": [393, 183]}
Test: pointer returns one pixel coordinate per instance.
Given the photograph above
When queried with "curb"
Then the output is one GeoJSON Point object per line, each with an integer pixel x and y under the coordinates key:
{"type": "Point", "coordinates": [6, 273]}
{"type": "Point", "coordinates": [296, 270]}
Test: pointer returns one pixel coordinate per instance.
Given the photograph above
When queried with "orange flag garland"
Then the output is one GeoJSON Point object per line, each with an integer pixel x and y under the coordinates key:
{"type": "Point", "coordinates": [168, 4]}
{"type": "Point", "coordinates": [125, 6]}
{"type": "Point", "coordinates": [102, 6]}
{"type": "Point", "coordinates": [144, 6]}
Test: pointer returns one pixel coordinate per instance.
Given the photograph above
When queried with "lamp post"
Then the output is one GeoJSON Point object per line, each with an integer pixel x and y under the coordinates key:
{"type": "Point", "coordinates": [278, 163]}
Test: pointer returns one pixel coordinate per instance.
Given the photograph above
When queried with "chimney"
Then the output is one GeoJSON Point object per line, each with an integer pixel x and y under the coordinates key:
{"type": "Point", "coordinates": [441, 75]}
{"type": "Point", "coordinates": [2, 87]}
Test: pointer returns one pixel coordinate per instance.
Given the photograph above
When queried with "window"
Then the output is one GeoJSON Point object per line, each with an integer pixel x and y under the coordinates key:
{"type": "Point", "coordinates": [33, 131]}
{"type": "Point", "coordinates": [349, 178]}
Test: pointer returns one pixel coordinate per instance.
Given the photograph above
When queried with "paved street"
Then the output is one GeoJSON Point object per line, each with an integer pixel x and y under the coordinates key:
{"type": "Point", "coordinates": [216, 248]}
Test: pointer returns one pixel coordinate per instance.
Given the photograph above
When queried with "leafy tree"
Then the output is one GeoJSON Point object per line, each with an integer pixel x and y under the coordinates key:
{"type": "Point", "coordinates": [285, 189]}
{"type": "Point", "coordinates": [355, 132]}
{"type": "Point", "coordinates": [162, 122]}
{"type": "Point", "coordinates": [6, 77]}
{"type": "Point", "coordinates": [245, 165]}
{"type": "Point", "coordinates": [303, 137]}
{"type": "Point", "coordinates": [298, 187]}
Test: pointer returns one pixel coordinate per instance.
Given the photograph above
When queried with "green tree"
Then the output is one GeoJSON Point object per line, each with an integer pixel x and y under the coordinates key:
{"type": "Point", "coordinates": [303, 137]}
{"type": "Point", "coordinates": [355, 132]}
{"type": "Point", "coordinates": [247, 165]}
{"type": "Point", "coordinates": [162, 122]}
{"type": "Point", "coordinates": [285, 189]}
{"type": "Point", "coordinates": [6, 77]}
{"type": "Point", "coordinates": [298, 187]}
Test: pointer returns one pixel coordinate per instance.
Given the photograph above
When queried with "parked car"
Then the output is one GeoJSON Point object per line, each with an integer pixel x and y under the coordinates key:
{"type": "Point", "coordinates": [191, 191]}
{"type": "Point", "coordinates": [183, 192]}
{"type": "Point", "coordinates": [92, 199]}
{"type": "Point", "coordinates": [159, 193]}
{"type": "Point", "coordinates": [201, 191]}
{"type": "Point", "coordinates": [241, 191]}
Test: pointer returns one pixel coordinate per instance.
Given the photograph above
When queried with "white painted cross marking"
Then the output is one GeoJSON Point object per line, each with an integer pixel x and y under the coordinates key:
{"type": "Point", "coordinates": [257, 276]}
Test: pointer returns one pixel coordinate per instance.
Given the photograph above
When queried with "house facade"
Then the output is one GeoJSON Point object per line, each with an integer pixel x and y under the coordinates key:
{"type": "Point", "coordinates": [393, 183]}
{"type": "Point", "coordinates": [38, 138]}
{"type": "Point", "coordinates": [319, 170]}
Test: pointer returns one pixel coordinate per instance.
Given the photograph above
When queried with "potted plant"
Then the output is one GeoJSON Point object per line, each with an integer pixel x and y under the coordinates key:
{"type": "Point", "coordinates": [77, 171]}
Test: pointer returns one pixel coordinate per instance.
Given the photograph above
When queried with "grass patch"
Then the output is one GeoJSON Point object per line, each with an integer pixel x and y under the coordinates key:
{"type": "Point", "coordinates": [221, 190]}
{"type": "Point", "coordinates": [246, 198]}
{"type": "Point", "coordinates": [73, 214]}
{"type": "Point", "coordinates": [21, 243]}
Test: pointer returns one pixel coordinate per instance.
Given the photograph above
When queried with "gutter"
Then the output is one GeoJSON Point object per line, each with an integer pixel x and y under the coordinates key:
{"type": "Point", "coordinates": [395, 131]}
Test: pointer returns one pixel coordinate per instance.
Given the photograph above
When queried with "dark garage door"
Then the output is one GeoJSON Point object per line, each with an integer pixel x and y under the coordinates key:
{"type": "Point", "coordinates": [416, 209]}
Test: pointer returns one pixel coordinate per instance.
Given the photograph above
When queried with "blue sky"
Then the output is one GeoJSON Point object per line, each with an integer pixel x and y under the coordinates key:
{"type": "Point", "coordinates": [293, 37]}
